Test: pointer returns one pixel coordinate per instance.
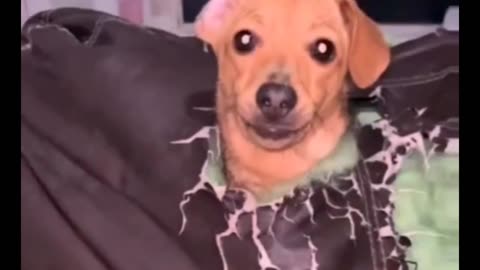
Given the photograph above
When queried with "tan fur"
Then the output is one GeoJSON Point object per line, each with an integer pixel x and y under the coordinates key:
{"type": "Point", "coordinates": [286, 28]}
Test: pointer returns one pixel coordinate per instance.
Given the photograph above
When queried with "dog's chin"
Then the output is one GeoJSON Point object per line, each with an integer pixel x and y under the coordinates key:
{"type": "Point", "coordinates": [274, 137]}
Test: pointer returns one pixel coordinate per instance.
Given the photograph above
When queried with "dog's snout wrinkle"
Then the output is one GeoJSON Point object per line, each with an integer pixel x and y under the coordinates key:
{"type": "Point", "coordinates": [279, 77]}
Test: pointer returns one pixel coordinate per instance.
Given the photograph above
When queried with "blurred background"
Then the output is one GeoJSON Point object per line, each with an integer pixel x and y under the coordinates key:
{"type": "Point", "coordinates": [400, 19]}
{"type": "Point", "coordinates": [387, 11]}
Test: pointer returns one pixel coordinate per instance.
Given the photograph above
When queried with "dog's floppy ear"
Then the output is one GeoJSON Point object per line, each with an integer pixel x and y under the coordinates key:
{"type": "Point", "coordinates": [212, 18]}
{"type": "Point", "coordinates": [369, 54]}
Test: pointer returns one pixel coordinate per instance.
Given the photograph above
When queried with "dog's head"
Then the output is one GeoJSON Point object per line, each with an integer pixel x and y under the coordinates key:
{"type": "Point", "coordinates": [283, 63]}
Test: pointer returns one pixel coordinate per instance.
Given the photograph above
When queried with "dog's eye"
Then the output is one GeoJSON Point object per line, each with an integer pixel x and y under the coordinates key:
{"type": "Point", "coordinates": [323, 51]}
{"type": "Point", "coordinates": [244, 41]}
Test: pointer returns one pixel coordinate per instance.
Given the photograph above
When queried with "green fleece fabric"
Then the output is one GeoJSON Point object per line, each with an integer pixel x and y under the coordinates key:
{"type": "Point", "coordinates": [427, 211]}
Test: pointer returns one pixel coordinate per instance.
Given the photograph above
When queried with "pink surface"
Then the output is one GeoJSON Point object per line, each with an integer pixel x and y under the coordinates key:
{"type": "Point", "coordinates": [131, 10]}
{"type": "Point", "coordinates": [24, 11]}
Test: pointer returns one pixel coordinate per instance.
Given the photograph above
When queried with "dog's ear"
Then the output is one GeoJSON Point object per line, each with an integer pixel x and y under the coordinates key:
{"type": "Point", "coordinates": [369, 54]}
{"type": "Point", "coordinates": [212, 18]}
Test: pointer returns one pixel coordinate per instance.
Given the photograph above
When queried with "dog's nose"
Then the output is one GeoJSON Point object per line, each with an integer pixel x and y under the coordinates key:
{"type": "Point", "coordinates": [276, 100]}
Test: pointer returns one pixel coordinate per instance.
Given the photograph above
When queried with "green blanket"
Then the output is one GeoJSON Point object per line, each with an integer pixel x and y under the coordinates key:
{"type": "Point", "coordinates": [427, 209]}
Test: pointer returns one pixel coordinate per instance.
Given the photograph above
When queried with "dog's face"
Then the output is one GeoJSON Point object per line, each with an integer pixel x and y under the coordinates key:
{"type": "Point", "coordinates": [283, 63]}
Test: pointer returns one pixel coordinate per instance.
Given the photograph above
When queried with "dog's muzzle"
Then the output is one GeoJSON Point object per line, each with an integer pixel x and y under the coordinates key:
{"type": "Point", "coordinates": [276, 101]}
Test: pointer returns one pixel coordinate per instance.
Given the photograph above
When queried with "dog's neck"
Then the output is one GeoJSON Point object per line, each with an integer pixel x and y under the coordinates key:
{"type": "Point", "coordinates": [343, 158]}
{"type": "Point", "coordinates": [260, 171]}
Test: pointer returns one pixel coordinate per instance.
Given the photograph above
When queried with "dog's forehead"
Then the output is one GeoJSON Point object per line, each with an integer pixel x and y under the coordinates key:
{"type": "Point", "coordinates": [295, 11]}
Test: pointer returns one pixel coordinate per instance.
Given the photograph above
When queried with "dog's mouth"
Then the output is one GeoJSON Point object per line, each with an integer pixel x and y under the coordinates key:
{"type": "Point", "coordinates": [274, 136]}
{"type": "Point", "coordinates": [273, 132]}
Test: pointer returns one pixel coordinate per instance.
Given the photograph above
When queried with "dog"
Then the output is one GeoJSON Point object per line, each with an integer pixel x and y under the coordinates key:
{"type": "Point", "coordinates": [284, 70]}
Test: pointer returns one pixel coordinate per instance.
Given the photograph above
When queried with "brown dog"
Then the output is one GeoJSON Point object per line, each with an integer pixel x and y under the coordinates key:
{"type": "Point", "coordinates": [283, 67]}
